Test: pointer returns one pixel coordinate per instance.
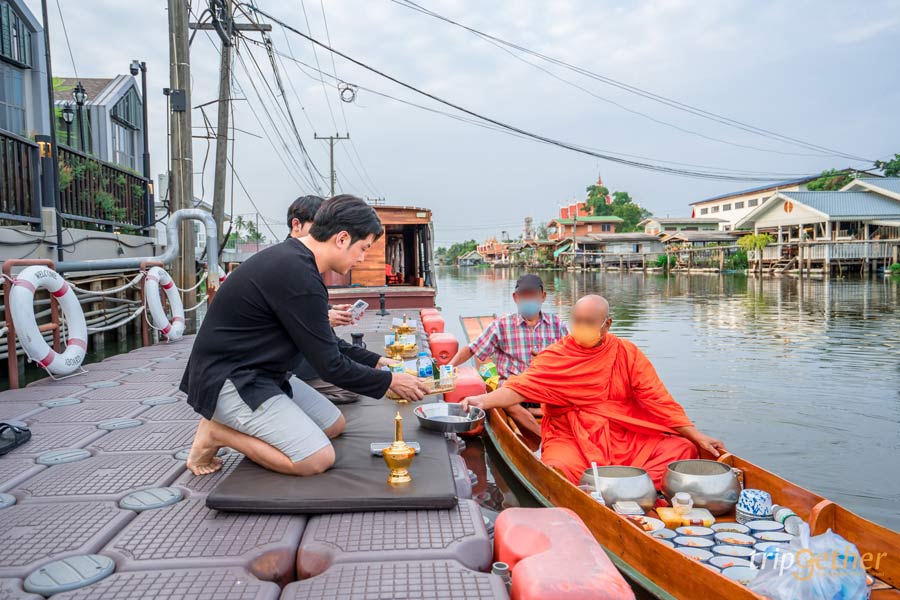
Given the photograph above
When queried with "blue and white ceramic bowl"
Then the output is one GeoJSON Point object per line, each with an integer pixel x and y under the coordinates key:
{"type": "Point", "coordinates": [755, 502]}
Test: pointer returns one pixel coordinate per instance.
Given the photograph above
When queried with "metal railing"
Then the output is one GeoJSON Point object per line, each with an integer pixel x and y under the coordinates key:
{"type": "Point", "coordinates": [100, 193]}
{"type": "Point", "coordinates": [20, 199]}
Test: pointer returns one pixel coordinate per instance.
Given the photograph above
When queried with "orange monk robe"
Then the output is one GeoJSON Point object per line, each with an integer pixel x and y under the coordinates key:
{"type": "Point", "coordinates": [603, 404]}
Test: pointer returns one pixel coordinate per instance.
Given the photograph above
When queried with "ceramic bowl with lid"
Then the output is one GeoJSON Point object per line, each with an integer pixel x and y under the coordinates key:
{"type": "Point", "coordinates": [723, 562]}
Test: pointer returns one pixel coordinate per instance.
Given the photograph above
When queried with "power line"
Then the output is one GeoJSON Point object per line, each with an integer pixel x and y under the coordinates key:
{"type": "Point", "coordinates": [636, 90]}
{"type": "Point", "coordinates": [524, 132]}
{"type": "Point", "coordinates": [66, 35]}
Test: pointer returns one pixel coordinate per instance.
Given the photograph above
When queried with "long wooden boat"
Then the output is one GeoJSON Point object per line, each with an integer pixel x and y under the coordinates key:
{"type": "Point", "coordinates": [659, 569]}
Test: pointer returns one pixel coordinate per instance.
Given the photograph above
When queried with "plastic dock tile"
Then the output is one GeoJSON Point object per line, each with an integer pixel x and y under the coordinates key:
{"type": "Point", "coordinates": [88, 412]}
{"type": "Point", "coordinates": [40, 393]}
{"type": "Point", "coordinates": [407, 580]}
{"type": "Point", "coordinates": [16, 470]}
{"type": "Point", "coordinates": [151, 499]}
{"type": "Point", "coordinates": [171, 376]}
{"type": "Point", "coordinates": [69, 574]}
{"type": "Point", "coordinates": [461, 477]}
{"type": "Point", "coordinates": [103, 477]}
{"type": "Point", "coordinates": [18, 411]}
{"type": "Point", "coordinates": [7, 500]}
{"type": "Point", "coordinates": [179, 411]}
{"type": "Point", "coordinates": [188, 534]}
{"type": "Point", "coordinates": [204, 483]}
{"type": "Point", "coordinates": [150, 437]}
{"type": "Point", "coordinates": [118, 363]}
{"type": "Point", "coordinates": [11, 589]}
{"type": "Point", "coordinates": [458, 534]}
{"type": "Point", "coordinates": [55, 436]}
{"type": "Point", "coordinates": [181, 584]}
{"type": "Point", "coordinates": [40, 532]}
{"type": "Point", "coordinates": [62, 456]}
{"type": "Point", "coordinates": [130, 391]}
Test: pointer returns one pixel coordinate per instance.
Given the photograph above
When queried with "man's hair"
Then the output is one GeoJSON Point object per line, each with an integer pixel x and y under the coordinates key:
{"type": "Point", "coordinates": [346, 213]}
{"type": "Point", "coordinates": [304, 209]}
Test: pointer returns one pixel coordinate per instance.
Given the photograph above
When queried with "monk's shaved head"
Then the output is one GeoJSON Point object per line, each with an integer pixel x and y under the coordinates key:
{"type": "Point", "coordinates": [593, 307]}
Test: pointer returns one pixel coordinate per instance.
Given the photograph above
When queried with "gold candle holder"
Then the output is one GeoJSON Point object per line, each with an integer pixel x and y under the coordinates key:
{"type": "Point", "coordinates": [398, 455]}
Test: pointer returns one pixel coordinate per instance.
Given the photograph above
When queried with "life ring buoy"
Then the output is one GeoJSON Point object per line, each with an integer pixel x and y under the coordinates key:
{"type": "Point", "coordinates": [156, 277]}
{"type": "Point", "coordinates": [222, 274]}
{"type": "Point", "coordinates": [21, 304]}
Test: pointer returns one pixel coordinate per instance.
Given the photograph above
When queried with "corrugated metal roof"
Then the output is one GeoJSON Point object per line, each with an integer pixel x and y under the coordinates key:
{"type": "Point", "coordinates": [701, 236]}
{"type": "Point", "coordinates": [762, 188]}
{"type": "Point", "coordinates": [891, 184]}
{"type": "Point", "coordinates": [589, 219]}
{"type": "Point", "coordinates": [848, 204]}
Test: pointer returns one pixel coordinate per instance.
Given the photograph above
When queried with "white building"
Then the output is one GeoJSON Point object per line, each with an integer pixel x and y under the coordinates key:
{"type": "Point", "coordinates": [734, 206]}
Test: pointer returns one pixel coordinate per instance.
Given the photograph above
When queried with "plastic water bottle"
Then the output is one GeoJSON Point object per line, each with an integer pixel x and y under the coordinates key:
{"type": "Point", "coordinates": [424, 365]}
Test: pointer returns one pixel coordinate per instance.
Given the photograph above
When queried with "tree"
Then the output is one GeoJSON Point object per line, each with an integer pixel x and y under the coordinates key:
{"type": "Point", "coordinates": [253, 234]}
{"type": "Point", "coordinates": [621, 205]}
{"type": "Point", "coordinates": [543, 232]}
{"type": "Point", "coordinates": [831, 180]}
{"type": "Point", "coordinates": [891, 167]}
{"type": "Point", "coordinates": [458, 249]}
{"type": "Point", "coordinates": [756, 243]}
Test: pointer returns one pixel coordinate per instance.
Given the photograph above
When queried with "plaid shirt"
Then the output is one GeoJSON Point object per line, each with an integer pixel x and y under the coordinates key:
{"type": "Point", "coordinates": [508, 341]}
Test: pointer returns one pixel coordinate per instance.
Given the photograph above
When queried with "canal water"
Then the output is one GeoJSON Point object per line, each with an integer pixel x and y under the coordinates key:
{"type": "Point", "coordinates": [802, 378]}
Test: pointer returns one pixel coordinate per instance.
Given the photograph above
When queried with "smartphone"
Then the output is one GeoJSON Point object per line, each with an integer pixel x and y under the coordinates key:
{"type": "Point", "coordinates": [358, 308]}
{"type": "Point", "coordinates": [377, 447]}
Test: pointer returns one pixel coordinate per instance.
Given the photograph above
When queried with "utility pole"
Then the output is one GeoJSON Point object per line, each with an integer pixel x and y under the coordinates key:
{"type": "Point", "coordinates": [181, 185]}
{"type": "Point", "coordinates": [331, 139]}
{"type": "Point", "coordinates": [223, 24]}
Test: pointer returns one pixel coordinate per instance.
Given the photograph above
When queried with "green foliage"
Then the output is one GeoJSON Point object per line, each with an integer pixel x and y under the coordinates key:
{"type": "Point", "coordinates": [737, 261]}
{"type": "Point", "coordinates": [755, 241]}
{"type": "Point", "coordinates": [449, 255]}
{"type": "Point", "coordinates": [891, 167]}
{"type": "Point", "coordinates": [543, 232]}
{"type": "Point", "coordinates": [830, 180]}
{"type": "Point", "coordinates": [622, 206]}
{"type": "Point", "coordinates": [665, 261]}
{"type": "Point", "coordinates": [108, 204]}
{"type": "Point", "coordinates": [895, 269]}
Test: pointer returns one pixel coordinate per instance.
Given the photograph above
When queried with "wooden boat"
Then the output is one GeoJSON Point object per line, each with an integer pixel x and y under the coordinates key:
{"type": "Point", "coordinates": [663, 572]}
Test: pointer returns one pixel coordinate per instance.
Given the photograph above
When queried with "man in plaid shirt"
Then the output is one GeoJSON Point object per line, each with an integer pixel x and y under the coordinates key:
{"type": "Point", "coordinates": [512, 340]}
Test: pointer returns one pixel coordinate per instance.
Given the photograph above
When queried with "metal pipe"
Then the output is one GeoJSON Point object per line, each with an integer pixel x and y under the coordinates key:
{"type": "Point", "coordinates": [172, 249]}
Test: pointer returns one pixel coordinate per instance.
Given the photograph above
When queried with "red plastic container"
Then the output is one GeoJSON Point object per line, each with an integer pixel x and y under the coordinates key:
{"type": "Point", "coordinates": [551, 554]}
{"type": "Point", "coordinates": [468, 383]}
{"type": "Point", "coordinates": [444, 346]}
{"type": "Point", "coordinates": [429, 311]}
{"type": "Point", "coordinates": [433, 324]}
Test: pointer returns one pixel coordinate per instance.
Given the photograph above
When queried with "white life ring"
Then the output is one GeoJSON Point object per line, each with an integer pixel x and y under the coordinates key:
{"type": "Point", "coordinates": [21, 304]}
{"type": "Point", "coordinates": [222, 274]}
{"type": "Point", "coordinates": [156, 277]}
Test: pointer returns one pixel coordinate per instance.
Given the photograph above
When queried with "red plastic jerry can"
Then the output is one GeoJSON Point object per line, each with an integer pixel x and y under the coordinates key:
{"type": "Point", "coordinates": [444, 347]}
{"type": "Point", "coordinates": [432, 324]}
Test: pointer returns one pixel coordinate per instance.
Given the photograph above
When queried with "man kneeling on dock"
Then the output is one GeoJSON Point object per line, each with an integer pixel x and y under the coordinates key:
{"type": "Point", "coordinates": [273, 308]}
{"type": "Point", "coordinates": [602, 401]}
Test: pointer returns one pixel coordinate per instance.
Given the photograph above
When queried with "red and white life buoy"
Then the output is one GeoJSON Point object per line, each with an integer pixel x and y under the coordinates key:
{"type": "Point", "coordinates": [21, 304]}
{"type": "Point", "coordinates": [222, 274]}
{"type": "Point", "coordinates": [156, 277]}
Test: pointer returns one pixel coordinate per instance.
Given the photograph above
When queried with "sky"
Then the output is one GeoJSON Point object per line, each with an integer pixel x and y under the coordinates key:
{"type": "Point", "coordinates": [819, 71]}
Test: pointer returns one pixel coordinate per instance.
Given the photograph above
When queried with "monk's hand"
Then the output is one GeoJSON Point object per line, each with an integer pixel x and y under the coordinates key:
{"type": "Point", "coordinates": [408, 387]}
{"type": "Point", "coordinates": [709, 443]}
{"type": "Point", "coordinates": [340, 315]}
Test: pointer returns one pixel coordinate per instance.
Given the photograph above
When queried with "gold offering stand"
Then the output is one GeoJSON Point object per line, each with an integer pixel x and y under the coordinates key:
{"type": "Point", "coordinates": [398, 456]}
{"type": "Point", "coordinates": [404, 328]}
{"type": "Point", "coordinates": [399, 351]}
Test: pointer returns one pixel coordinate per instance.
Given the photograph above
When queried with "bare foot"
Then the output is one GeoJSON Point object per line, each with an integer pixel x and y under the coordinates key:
{"type": "Point", "coordinates": [202, 459]}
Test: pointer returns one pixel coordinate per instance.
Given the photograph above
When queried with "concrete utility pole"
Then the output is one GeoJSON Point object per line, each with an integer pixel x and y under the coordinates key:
{"type": "Point", "coordinates": [223, 24]}
{"type": "Point", "coordinates": [331, 139]}
{"type": "Point", "coordinates": [181, 185]}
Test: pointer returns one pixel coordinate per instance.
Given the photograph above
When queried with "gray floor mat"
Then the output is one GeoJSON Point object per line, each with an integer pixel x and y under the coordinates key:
{"type": "Point", "coordinates": [41, 393]}
{"type": "Point", "coordinates": [17, 411]}
{"type": "Point", "coordinates": [37, 533]}
{"type": "Point", "coordinates": [130, 391]}
{"type": "Point", "coordinates": [204, 483]}
{"type": "Point", "coordinates": [150, 437]}
{"type": "Point", "coordinates": [154, 376]}
{"type": "Point", "coordinates": [16, 470]}
{"type": "Point", "coordinates": [188, 534]}
{"type": "Point", "coordinates": [11, 589]}
{"type": "Point", "coordinates": [457, 533]}
{"type": "Point", "coordinates": [407, 580]}
{"type": "Point", "coordinates": [52, 436]}
{"type": "Point", "coordinates": [103, 477]}
{"type": "Point", "coordinates": [178, 411]}
{"type": "Point", "coordinates": [182, 584]}
{"type": "Point", "coordinates": [88, 412]}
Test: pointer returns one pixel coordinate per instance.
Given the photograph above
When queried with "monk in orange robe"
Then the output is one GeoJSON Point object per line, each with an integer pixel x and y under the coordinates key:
{"type": "Point", "coordinates": [602, 402]}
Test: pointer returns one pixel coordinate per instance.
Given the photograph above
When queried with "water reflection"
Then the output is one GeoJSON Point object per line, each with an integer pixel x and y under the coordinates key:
{"type": "Point", "coordinates": [802, 378]}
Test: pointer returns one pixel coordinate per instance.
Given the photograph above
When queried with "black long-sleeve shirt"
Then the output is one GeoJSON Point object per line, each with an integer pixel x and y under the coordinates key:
{"type": "Point", "coordinates": [274, 307]}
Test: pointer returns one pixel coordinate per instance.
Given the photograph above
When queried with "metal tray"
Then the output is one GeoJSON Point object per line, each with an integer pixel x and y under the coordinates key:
{"type": "Point", "coordinates": [448, 417]}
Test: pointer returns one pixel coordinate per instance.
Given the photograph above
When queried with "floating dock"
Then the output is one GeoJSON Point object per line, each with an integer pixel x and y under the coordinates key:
{"type": "Point", "coordinates": [101, 494]}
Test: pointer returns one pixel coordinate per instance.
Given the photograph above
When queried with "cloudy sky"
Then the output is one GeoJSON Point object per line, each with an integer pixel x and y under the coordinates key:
{"type": "Point", "coordinates": [819, 71]}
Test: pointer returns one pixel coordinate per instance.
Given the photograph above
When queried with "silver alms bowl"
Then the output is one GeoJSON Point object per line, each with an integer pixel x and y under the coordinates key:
{"type": "Point", "coordinates": [712, 485]}
{"type": "Point", "coordinates": [620, 484]}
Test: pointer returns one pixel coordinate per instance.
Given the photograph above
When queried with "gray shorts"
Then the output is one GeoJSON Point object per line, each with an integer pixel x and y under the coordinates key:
{"type": "Point", "coordinates": [293, 425]}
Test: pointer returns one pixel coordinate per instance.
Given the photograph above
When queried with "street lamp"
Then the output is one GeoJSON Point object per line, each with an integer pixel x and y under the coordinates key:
{"type": "Point", "coordinates": [141, 67]}
{"type": "Point", "coordinates": [80, 97]}
{"type": "Point", "coordinates": [68, 115]}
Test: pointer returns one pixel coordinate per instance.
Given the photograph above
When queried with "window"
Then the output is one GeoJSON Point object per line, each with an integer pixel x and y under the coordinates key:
{"type": "Point", "coordinates": [738, 205]}
{"type": "Point", "coordinates": [12, 99]}
{"type": "Point", "coordinates": [704, 211]}
{"type": "Point", "coordinates": [123, 146]}
{"type": "Point", "coordinates": [753, 202]}
{"type": "Point", "coordinates": [15, 38]}
{"type": "Point", "coordinates": [606, 228]}
{"type": "Point", "coordinates": [726, 207]}
{"type": "Point", "coordinates": [714, 209]}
